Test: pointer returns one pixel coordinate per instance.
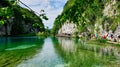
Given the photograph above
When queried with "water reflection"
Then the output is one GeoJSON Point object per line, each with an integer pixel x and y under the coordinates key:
{"type": "Point", "coordinates": [110, 51]}
{"type": "Point", "coordinates": [58, 52]}
{"type": "Point", "coordinates": [67, 44]}
{"type": "Point", "coordinates": [77, 53]}
{"type": "Point", "coordinates": [47, 57]}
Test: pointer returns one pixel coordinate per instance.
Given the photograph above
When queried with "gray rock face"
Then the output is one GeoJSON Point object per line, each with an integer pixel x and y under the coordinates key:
{"type": "Point", "coordinates": [2, 30]}
{"type": "Point", "coordinates": [117, 33]}
{"type": "Point", "coordinates": [27, 27]}
{"type": "Point", "coordinates": [110, 9]}
{"type": "Point", "coordinates": [9, 26]}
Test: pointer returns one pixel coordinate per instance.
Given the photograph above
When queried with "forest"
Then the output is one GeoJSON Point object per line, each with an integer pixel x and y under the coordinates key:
{"type": "Point", "coordinates": [16, 20]}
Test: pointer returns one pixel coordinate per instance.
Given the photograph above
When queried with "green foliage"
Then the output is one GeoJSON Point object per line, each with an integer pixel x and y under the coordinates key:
{"type": "Point", "coordinates": [77, 11]}
{"type": "Point", "coordinates": [85, 14]}
{"type": "Point", "coordinates": [43, 15]}
{"type": "Point", "coordinates": [32, 18]}
{"type": "Point", "coordinates": [2, 22]}
{"type": "Point", "coordinates": [5, 14]}
{"type": "Point", "coordinates": [44, 34]}
{"type": "Point", "coordinates": [22, 16]}
{"type": "Point", "coordinates": [101, 40]}
{"type": "Point", "coordinates": [28, 17]}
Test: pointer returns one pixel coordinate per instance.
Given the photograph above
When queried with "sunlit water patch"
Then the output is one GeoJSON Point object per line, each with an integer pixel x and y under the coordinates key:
{"type": "Point", "coordinates": [21, 47]}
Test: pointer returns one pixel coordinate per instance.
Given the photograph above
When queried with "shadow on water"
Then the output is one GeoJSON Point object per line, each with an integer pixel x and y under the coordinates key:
{"type": "Point", "coordinates": [14, 50]}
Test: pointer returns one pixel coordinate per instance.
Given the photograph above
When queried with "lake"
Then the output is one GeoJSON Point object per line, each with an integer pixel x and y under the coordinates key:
{"type": "Point", "coordinates": [56, 52]}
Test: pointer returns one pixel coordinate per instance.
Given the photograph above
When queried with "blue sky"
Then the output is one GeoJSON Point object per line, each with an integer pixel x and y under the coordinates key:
{"type": "Point", "coordinates": [52, 8]}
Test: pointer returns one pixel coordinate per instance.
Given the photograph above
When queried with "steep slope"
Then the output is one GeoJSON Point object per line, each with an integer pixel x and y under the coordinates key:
{"type": "Point", "coordinates": [91, 16]}
{"type": "Point", "coordinates": [15, 20]}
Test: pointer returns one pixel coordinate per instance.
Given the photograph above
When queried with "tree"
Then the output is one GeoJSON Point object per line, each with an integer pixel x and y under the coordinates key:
{"type": "Point", "coordinates": [43, 15]}
{"type": "Point", "coordinates": [6, 14]}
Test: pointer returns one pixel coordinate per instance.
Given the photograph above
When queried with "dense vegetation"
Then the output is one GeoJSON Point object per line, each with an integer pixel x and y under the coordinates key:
{"type": "Point", "coordinates": [87, 13]}
{"type": "Point", "coordinates": [12, 14]}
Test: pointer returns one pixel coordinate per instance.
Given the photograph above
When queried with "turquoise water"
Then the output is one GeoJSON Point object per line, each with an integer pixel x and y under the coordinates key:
{"type": "Point", "coordinates": [13, 43]}
{"type": "Point", "coordinates": [56, 52]}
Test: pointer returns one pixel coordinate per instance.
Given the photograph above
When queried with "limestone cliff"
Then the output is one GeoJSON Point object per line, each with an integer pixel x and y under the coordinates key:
{"type": "Point", "coordinates": [91, 16]}
{"type": "Point", "coordinates": [68, 28]}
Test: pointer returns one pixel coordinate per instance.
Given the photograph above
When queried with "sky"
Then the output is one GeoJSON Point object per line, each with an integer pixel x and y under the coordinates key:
{"type": "Point", "coordinates": [52, 8]}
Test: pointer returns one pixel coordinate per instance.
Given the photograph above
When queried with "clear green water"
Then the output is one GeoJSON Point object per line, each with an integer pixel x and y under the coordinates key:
{"type": "Point", "coordinates": [13, 43]}
{"type": "Point", "coordinates": [56, 52]}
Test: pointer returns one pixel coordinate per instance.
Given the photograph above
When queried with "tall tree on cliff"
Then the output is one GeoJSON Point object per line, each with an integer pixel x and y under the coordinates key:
{"type": "Point", "coordinates": [6, 14]}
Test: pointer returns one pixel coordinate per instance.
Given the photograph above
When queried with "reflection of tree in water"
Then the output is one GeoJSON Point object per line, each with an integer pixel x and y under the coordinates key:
{"type": "Point", "coordinates": [110, 51]}
{"type": "Point", "coordinates": [59, 50]}
{"type": "Point", "coordinates": [74, 52]}
{"type": "Point", "coordinates": [67, 44]}
{"type": "Point", "coordinates": [3, 43]}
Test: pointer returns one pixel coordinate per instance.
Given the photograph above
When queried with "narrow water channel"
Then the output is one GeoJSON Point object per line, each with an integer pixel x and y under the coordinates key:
{"type": "Point", "coordinates": [46, 57]}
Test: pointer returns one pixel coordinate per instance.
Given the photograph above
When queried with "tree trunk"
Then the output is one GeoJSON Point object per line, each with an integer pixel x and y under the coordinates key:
{"type": "Point", "coordinates": [6, 29]}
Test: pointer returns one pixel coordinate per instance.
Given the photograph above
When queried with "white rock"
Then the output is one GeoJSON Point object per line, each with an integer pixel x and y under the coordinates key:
{"type": "Point", "coordinates": [68, 28]}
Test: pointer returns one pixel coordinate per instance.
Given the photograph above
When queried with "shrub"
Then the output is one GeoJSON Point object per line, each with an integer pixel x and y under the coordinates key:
{"type": "Point", "coordinates": [101, 40]}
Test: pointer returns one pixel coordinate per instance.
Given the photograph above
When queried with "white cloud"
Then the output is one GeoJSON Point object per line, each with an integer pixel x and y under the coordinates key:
{"type": "Point", "coordinates": [52, 15]}
{"type": "Point", "coordinates": [52, 8]}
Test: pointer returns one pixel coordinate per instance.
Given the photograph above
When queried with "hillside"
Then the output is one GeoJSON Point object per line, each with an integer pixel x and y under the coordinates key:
{"type": "Point", "coordinates": [88, 16]}
{"type": "Point", "coordinates": [15, 20]}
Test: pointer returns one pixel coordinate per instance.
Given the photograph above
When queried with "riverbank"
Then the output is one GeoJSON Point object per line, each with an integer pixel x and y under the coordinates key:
{"type": "Point", "coordinates": [63, 35]}
{"type": "Point", "coordinates": [102, 38]}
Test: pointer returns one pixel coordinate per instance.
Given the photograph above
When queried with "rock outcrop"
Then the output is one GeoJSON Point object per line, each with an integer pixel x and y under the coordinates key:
{"type": "Point", "coordinates": [110, 9]}
{"type": "Point", "coordinates": [2, 30]}
{"type": "Point", "coordinates": [68, 28]}
{"type": "Point", "coordinates": [92, 17]}
{"type": "Point", "coordinates": [117, 33]}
